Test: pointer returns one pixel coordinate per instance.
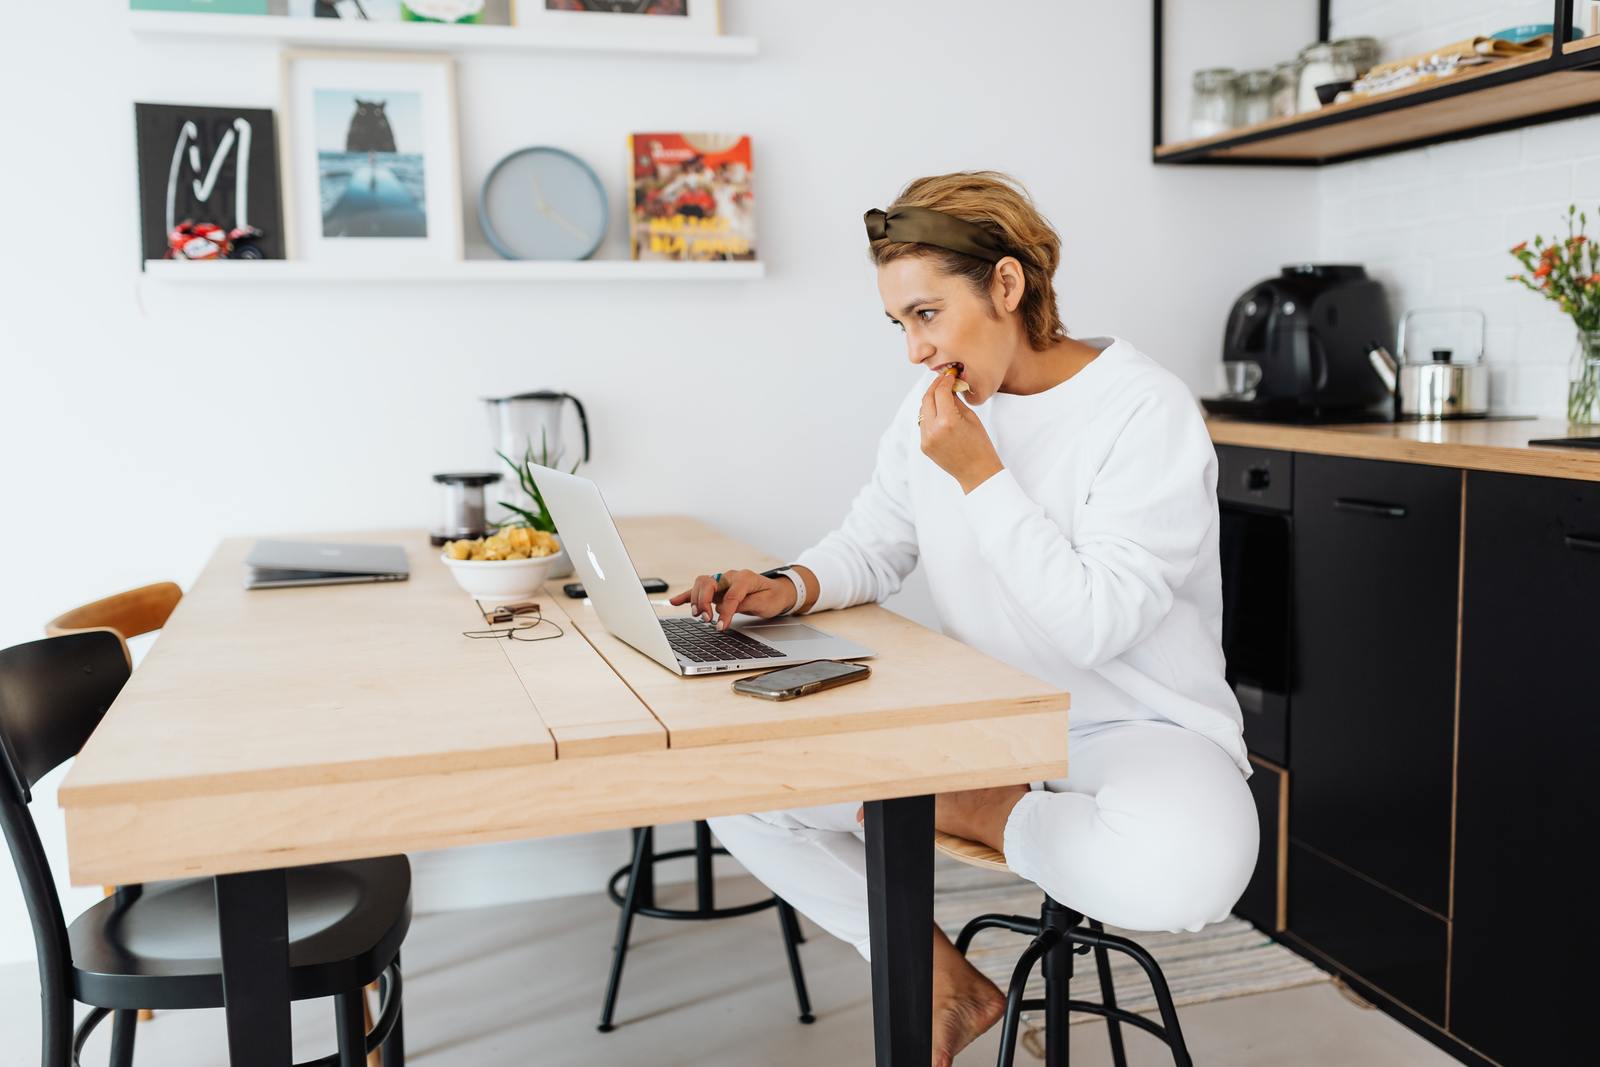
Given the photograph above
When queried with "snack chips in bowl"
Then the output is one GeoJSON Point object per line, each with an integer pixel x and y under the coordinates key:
{"type": "Point", "coordinates": [512, 542]}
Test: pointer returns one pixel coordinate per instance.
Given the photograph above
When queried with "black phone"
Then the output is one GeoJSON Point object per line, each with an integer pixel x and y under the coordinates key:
{"type": "Point", "coordinates": [786, 683]}
{"type": "Point", "coordinates": [576, 591]}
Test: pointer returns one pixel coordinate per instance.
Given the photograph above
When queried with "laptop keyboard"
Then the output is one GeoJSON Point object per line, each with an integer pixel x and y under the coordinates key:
{"type": "Point", "coordinates": [701, 642]}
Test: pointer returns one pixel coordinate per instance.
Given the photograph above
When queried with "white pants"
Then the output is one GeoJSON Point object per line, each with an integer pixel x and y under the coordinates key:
{"type": "Point", "coordinates": [1153, 829]}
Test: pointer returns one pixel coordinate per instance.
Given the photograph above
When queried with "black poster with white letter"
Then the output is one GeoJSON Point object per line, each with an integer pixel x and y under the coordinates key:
{"type": "Point", "coordinates": [207, 164]}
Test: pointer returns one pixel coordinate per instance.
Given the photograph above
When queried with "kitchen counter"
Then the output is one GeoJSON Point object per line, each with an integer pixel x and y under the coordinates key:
{"type": "Point", "coordinates": [1473, 444]}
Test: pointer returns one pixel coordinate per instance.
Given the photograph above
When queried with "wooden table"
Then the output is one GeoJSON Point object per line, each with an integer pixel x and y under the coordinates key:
{"type": "Point", "coordinates": [277, 728]}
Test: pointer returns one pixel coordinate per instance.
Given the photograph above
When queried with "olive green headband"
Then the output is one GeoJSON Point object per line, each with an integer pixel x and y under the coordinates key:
{"type": "Point", "coordinates": [925, 226]}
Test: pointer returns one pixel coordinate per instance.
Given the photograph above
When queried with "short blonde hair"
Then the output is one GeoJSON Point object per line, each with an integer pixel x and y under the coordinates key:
{"type": "Point", "coordinates": [998, 203]}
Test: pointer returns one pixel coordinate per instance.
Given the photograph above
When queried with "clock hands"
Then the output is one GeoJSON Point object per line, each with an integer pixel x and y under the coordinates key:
{"type": "Point", "coordinates": [544, 208]}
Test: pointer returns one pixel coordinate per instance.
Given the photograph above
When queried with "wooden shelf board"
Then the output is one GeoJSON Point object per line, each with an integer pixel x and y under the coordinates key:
{"type": "Point", "coordinates": [1365, 126]}
{"type": "Point", "coordinates": [261, 272]}
{"type": "Point", "coordinates": [1583, 44]}
{"type": "Point", "coordinates": [333, 33]}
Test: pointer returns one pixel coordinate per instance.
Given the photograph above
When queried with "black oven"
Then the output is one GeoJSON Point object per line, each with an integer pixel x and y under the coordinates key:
{"type": "Point", "coordinates": [1255, 493]}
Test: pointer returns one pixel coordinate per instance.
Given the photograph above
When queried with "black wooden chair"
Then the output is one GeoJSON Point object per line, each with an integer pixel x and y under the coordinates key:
{"type": "Point", "coordinates": [157, 946]}
{"type": "Point", "coordinates": [1059, 934]}
{"type": "Point", "coordinates": [639, 898]}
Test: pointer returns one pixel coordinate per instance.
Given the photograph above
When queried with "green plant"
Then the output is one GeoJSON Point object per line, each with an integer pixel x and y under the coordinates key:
{"type": "Point", "coordinates": [537, 519]}
{"type": "Point", "coordinates": [1565, 271]}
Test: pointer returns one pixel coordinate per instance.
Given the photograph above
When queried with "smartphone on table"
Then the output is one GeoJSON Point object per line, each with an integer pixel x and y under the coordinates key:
{"type": "Point", "coordinates": [786, 683]}
{"type": "Point", "coordinates": [576, 591]}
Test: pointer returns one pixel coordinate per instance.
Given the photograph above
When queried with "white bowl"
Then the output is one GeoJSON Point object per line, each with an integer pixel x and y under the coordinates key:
{"type": "Point", "coordinates": [500, 579]}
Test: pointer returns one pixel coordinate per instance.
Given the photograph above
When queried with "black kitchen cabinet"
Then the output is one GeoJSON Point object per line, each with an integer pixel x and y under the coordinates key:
{"type": "Point", "coordinates": [1376, 580]}
{"type": "Point", "coordinates": [1387, 942]}
{"type": "Point", "coordinates": [1262, 902]}
{"type": "Point", "coordinates": [1525, 953]}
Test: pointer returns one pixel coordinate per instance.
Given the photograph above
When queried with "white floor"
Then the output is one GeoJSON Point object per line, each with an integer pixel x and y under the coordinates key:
{"type": "Point", "coordinates": [520, 986]}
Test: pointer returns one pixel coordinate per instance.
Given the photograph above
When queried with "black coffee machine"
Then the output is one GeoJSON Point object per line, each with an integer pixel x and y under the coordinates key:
{"type": "Point", "coordinates": [1310, 329]}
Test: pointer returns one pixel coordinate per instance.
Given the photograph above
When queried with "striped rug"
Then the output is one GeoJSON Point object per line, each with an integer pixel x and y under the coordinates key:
{"type": "Point", "coordinates": [1226, 959]}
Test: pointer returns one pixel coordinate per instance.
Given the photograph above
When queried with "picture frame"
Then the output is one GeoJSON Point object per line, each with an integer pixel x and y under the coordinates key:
{"type": "Point", "coordinates": [370, 153]}
{"type": "Point", "coordinates": [207, 164]}
{"type": "Point", "coordinates": [458, 12]}
{"type": "Point", "coordinates": [701, 18]}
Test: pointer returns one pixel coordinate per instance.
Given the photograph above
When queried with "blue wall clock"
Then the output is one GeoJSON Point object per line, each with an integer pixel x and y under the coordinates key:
{"type": "Point", "coordinates": [543, 203]}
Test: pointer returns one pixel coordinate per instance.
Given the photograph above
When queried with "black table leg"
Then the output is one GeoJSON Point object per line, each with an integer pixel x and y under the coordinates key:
{"type": "Point", "coordinates": [900, 910]}
{"type": "Point", "coordinates": [253, 920]}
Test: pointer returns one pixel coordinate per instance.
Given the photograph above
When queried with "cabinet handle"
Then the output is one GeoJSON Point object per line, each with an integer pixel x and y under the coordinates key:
{"type": "Point", "coordinates": [1369, 507]}
{"type": "Point", "coordinates": [1583, 544]}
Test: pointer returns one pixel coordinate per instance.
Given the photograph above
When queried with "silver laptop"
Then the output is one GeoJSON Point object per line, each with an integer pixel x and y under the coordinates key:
{"type": "Point", "coordinates": [679, 643]}
{"type": "Point", "coordinates": [275, 564]}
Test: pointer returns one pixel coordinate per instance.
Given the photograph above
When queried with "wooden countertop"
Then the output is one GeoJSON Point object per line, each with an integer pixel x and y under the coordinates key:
{"type": "Point", "coordinates": [1473, 444]}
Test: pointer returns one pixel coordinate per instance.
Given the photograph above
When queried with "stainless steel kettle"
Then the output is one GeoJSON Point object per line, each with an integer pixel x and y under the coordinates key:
{"type": "Point", "coordinates": [1439, 373]}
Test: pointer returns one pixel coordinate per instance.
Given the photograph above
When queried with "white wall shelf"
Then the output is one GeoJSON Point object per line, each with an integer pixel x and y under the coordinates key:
{"type": "Point", "coordinates": [269, 271]}
{"type": "Point", "coordinates": [336, 33]}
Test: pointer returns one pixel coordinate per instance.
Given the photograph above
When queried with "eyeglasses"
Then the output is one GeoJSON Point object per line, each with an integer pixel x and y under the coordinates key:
{"type": "Point", "coordinates": [513, 622]}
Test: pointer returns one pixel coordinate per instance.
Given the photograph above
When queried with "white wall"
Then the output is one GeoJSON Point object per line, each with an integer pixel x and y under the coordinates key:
{"type": "Point", "coordinates": [139, 423]}
{"type": "Point", "coordinates": [1434, 224]}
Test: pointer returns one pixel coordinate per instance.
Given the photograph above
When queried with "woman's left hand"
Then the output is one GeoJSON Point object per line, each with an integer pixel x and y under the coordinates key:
{"type": "Point", "coordinates": [953, 437]}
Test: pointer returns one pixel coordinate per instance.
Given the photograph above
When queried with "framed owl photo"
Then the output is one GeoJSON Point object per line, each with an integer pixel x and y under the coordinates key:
{"type": "Point", "coordinates": [370, 148]}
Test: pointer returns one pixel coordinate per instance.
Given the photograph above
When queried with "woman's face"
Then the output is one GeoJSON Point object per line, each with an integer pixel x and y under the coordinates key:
{"type": "Point", "coordinates": [946, 322]}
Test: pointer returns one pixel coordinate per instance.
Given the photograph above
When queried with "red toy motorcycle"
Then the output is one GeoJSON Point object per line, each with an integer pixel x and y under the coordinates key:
{"type": "Point", "coordinates": [206, 240]}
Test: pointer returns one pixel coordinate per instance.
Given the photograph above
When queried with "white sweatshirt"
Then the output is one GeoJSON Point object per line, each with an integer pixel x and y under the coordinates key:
{"type": "Point", "coordinates": [1090, 561]}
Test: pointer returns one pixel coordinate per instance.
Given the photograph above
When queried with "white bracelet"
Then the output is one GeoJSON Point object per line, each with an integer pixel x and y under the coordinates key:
{"type": "Point", "coordinates": [799, 587]}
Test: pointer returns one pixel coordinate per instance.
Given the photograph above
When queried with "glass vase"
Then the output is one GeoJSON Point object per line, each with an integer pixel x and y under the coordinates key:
{"type": "Point", "coordinates": [1583, 391]}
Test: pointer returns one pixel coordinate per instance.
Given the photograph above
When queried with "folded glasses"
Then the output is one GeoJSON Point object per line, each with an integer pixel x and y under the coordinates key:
{"type": "Point", "coordinates": [514, 622]}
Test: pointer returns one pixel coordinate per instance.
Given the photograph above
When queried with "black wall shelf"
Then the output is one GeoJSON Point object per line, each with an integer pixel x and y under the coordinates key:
{"type": "Point", "coordinates": [1546, 86]}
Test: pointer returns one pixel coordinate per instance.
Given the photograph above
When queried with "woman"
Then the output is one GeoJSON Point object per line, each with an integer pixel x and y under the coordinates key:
{"type": "Point", "coordinates": [1065, 510]}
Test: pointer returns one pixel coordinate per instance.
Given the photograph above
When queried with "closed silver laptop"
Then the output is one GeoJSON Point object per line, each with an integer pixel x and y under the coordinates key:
{"type": "Point", "coordinates": [679, 643]}
{"type": "Point", "coordinates": [273, 564]}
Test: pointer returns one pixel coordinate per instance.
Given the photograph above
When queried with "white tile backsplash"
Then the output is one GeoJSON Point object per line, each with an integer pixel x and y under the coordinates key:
{"type": "Point", "coordinates": [1586, 180]}
{"type": "Point", "coordinates": [1543, 183]}
{"type": "Point", "coordinates": [1435, 224]}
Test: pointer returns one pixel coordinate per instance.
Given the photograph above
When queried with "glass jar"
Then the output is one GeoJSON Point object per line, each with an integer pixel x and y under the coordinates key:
{"type": "Point", "coordinates": [1343, 60]}
{"type": "Point", "coordinates": [1285, 85]}
{"type": "Point", "coordinates": [1361, 53]}
{"type": "Point", "coordinates": [1320, 63]}
{"type": "Point", "coordinates": [1214, 106]}
{"type": "Point", "coordinates": [1255, 97]}
{"type": "Point", "coordinates": [462, 512]}
{"type": "Point", "coordinates": [1583, 391]}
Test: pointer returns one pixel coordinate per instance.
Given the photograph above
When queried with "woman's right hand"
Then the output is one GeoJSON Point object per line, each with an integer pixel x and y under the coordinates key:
{"type": "Point", "coordinates": [747, 591]}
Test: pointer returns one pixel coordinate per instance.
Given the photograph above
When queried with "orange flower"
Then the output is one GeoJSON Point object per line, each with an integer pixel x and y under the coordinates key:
{"type": "Point", "coordinates": [1594, 279]}
{"type": "Point", "coordinates": [1578, 240]}
{"type": "Point", "coordinates": [1518, 247]}
{"type": "Point", "coordinates": [1542, 269]}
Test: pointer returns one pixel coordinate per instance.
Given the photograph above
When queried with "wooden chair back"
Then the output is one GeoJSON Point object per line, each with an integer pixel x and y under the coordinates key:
{"type": "Point", "coordinates": [137, 611]}
{"type": "Point", "coordinates": [972, 853]}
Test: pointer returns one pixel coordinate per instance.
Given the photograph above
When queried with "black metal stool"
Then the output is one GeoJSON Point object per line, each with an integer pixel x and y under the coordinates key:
{"type": "Point", "coordinates": [640, 899]}
{"type": "Point", "coordinates": [1059, 934]}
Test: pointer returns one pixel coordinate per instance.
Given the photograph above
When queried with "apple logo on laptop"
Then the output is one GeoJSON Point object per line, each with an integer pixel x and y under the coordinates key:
{"type": "Point", "coordinates": [598, 570]}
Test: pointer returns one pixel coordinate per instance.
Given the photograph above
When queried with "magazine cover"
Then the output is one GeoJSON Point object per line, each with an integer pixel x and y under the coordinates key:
{"type": "Point", "coordinates": [691, 196]}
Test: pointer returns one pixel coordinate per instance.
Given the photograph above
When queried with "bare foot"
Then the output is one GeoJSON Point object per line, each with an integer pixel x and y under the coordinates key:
{"type": "Point", "coordinates": [965, 1003]}
{"type": "Point", "coordinates": [978, 814]}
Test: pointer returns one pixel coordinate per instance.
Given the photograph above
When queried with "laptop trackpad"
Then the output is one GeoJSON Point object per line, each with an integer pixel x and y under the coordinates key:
{"type": "Point", "coordinates": [786, 632]}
